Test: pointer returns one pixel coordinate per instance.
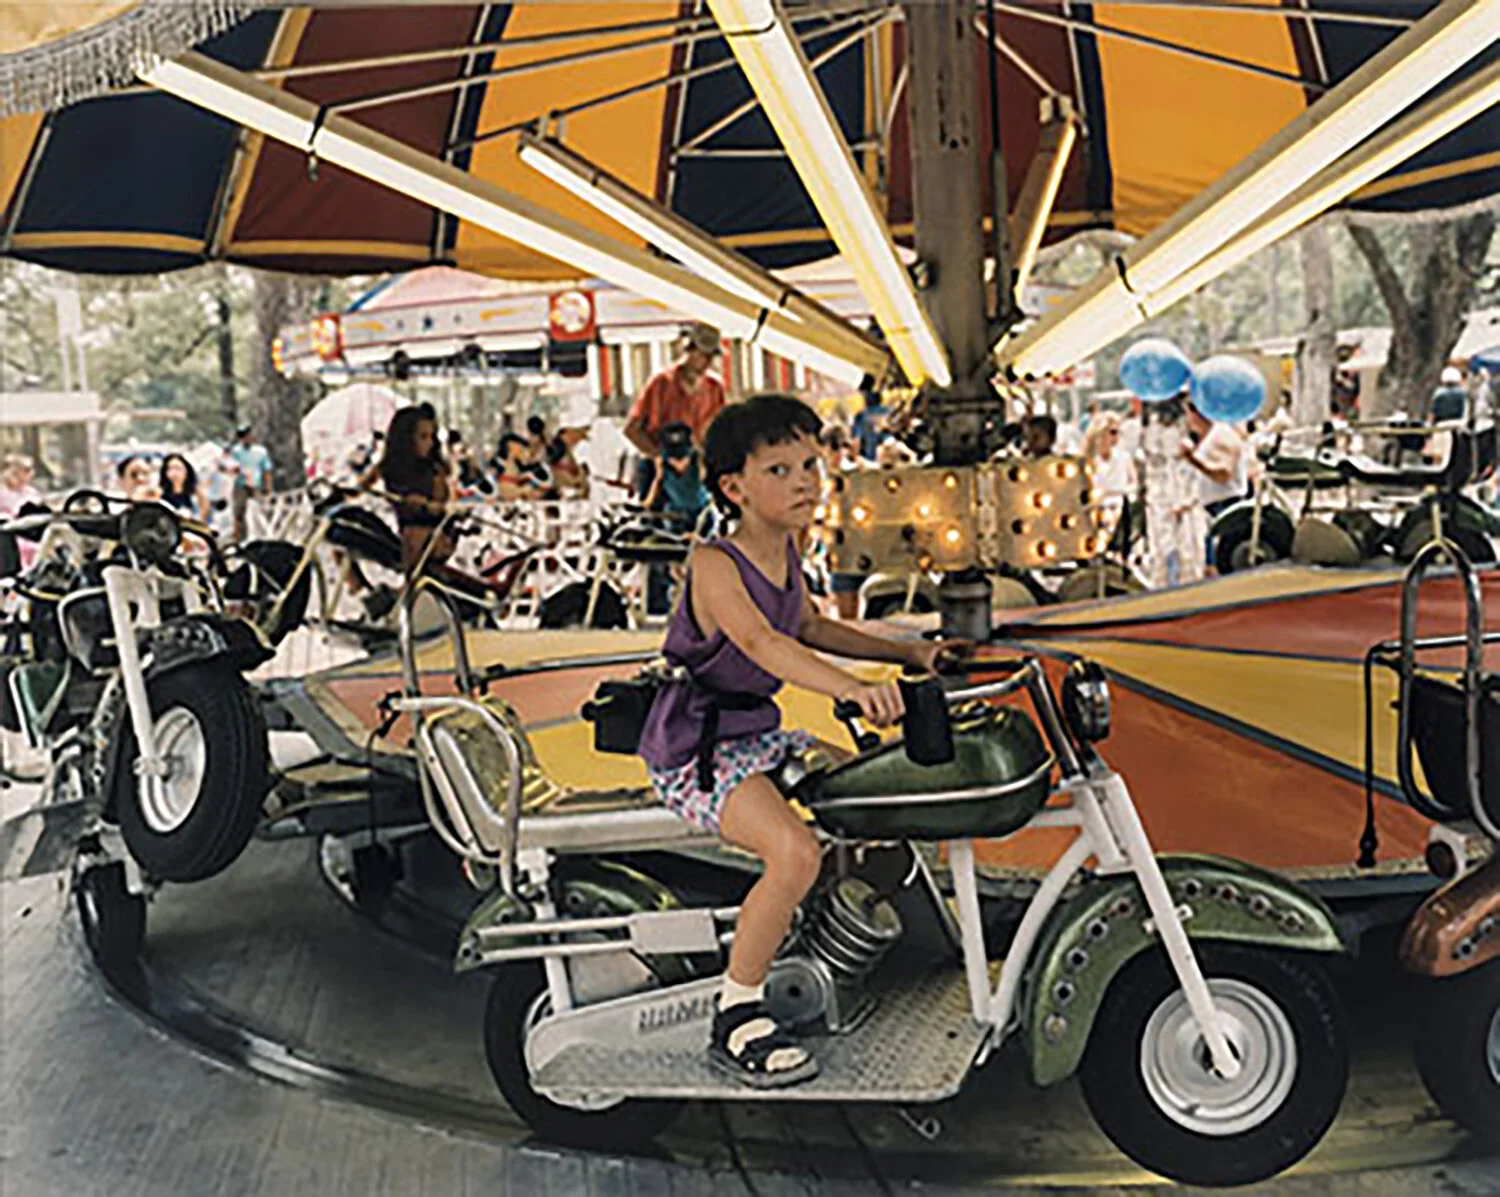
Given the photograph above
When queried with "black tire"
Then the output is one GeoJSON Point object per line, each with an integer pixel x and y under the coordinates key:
{"type": "Point", "coordinates": [375, 870]}
{"type": "Point", "coordinates": [1476, 546]}
{"type": "Point", "coordinates": [1459, 1016]}
{"type": "Point", "coordinates": [513, 998]}
{"type": "Point", "coordinates": [881, 605]}
{"type": "Point", "coordinates": [1114, 1068]}
{"type": "Point", "coordinates": [113, 919]}
{"type": "Point", "coordinates": [264, 570]}
{"type": "Point", "coordinates": [222, 818]}
{"type": "Point", "coordinates": [1232, 550]}
{"type": "Point", "coordinates": [565, 608]}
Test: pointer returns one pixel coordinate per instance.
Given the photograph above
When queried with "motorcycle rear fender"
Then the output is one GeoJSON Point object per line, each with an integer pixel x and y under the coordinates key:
{"type": "Point", "coordinates": [586, 887]}
{"type": "Point", "coordinates": [1089, 939]}
{"type": "Point", "coordinates": [1456, 929]}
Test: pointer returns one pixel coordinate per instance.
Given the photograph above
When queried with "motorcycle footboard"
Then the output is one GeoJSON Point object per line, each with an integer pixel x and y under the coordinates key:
{"type": "Point", "coordinates": [916, 1046]}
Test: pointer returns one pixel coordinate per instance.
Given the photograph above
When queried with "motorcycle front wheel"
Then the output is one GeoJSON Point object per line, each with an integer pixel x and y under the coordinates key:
{"type": "Point", "coordinates": [195, 821]}
{"type": "Point", "coordinates": [1458, 1048]}
{"type": "Point", "coordinates": [1149, 1085]}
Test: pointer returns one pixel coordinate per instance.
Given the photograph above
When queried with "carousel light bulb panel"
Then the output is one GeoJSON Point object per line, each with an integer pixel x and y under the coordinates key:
{"type": "Point", "coordinates": [906, 517]}
{"type": "Point", "coordinates": [1043, 511]}
{"type": "Point", "coordinates": [1027, 514]}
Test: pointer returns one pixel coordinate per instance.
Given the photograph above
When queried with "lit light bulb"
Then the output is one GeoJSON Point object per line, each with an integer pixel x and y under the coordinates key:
{"type": "Point", "coordinates": [950, 481]}
{"type": "Point", "coordinates": [952, 537]}
{"type": "Point", "coordinates": [820, 513]}
{"type": "Point", "coordinates": [1046, 550]}
{"type": "Point", "coordinates": [1067, 522]}
{"type": "Point", "coordinates": [1017, 474]}
{"type": "Point", "coordinates": [924, 511]}
{"type": "Point", "coordinates": [893, 484]}
{"type": "Point", "coordinates": [860, 514]}
{"type": "Point", "coordinates": [1041, 500]}
{"type": "Point", "coordinates": [1067, 469]}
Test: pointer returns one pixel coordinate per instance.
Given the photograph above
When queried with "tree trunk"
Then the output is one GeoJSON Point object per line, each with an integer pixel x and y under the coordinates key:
{"type": "Point", "coordinates": [277, 403]}
{"type": "Point", "coordinates": [1312, 397]}
{"type": "Point", "coordinates": [1428, 312]}
{"type": "Point", "coordinates": [228, 409]}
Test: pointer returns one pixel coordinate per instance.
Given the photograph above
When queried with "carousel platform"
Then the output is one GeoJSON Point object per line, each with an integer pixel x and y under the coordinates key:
{"type": "Point", "coordinates": [276, 1039]}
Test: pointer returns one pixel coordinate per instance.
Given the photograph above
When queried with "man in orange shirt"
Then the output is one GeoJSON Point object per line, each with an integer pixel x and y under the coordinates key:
{"type": "Point", "coordinates": [684, 393]}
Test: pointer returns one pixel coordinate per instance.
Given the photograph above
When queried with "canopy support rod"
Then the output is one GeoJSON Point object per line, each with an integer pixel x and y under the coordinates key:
{"type": "Point", "coordinates": [343, 142]}
{"type": "Point", "coordinates": [776, 67]}
{"type": "Point", "coordinates": [1044, 176]}
{"type": "Point", "coordinates": [668, 80]}
{"type": "Point", "coordinates": [591, 54]}
{"type": "Point", "coordinates": [818, 60]}
{"type": "Point", "coordinates": [1074, 25]}
{"type": "Point", "coordinates": [1305, 153]}
{"type": "Point", "coordinates": [673, 235]}
{"type": "Point", "coordinates": [1017, 59]}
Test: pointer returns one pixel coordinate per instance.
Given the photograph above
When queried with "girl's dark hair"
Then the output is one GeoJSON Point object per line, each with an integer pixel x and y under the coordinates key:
{"type": "Point", "coordinates": [189, 481]}
{"type": "Point", "coordinates": [742, 428]}
{"type": "Point", "coordinates": [399, 464]}
{"type": "Point", "coordinates": [536, 426]}
{"type": "Point", "coordinates": [509, 439]}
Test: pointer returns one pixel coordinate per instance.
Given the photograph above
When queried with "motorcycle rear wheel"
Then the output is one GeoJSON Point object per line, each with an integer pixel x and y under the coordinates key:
{"type": "Point", "coordinates": [1458, 1050]}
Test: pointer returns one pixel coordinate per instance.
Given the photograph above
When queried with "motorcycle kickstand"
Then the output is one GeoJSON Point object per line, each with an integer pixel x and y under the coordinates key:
{"type": "Point", "coordinates": [927, 1127]}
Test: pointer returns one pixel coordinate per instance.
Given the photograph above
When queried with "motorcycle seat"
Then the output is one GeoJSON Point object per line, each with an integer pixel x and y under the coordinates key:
{"type": "Point", "coordinates": [999, 778]}
{"type": "Point", "coordinates": [1437, 716]}
{"type": "Point", "coordinates": [1471, 458]}
{"type": "Point", "coordinates": [1305, 471]}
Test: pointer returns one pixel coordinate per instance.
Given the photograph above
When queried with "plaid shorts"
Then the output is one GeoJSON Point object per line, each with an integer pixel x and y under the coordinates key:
{"type": "Point", "coordinates": [734, 760]}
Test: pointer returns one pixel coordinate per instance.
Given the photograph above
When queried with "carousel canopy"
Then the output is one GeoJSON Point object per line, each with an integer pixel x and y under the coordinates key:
{"type": "Point", "coordinates": [1168, 95]}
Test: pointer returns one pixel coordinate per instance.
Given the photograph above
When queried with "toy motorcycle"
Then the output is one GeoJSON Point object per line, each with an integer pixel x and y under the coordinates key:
{"type": "Point", "coordinates": [1450, 725]}
{"type": "Point", "coordinates": [120, 666]}
{"type": "Point", "coordinates": [1189, 992]}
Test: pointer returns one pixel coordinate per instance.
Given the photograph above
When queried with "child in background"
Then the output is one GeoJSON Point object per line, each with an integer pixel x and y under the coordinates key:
{"type": "Point", "coordinates": [412, 469]}
{"type": "Point", "coordinates": [743, 627]}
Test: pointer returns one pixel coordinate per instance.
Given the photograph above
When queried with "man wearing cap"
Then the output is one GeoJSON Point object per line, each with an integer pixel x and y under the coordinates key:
{"type": "Point", "coordinates": [685, 392]}
{"type": "Point", "coordinates": [252, 477]}
{"type": "Point", "coordinates": [1450, 401]}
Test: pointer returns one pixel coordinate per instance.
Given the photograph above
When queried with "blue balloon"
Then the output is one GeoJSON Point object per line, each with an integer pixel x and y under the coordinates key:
{"type": "Point", "coordinates": [1228, 390]}
{"type": "Point", "coordinates": [1155, 369]}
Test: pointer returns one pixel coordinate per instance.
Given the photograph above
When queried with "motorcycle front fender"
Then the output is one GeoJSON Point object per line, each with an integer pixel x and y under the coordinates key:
{"type": "Point", "coordinates": [199, 638]}
{"type": "Point", "coordinates": [1089, 939]}
{"type": "Point", "coordinates": [1456, 929]}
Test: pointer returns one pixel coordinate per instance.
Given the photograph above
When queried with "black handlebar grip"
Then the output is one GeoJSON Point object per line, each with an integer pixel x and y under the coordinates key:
{"type": "Point", "coordinates": [593, 711]}
{"type": "Point", "coordinates": [845, 709]}
{"type": "Point", "coordinates": [926, 727]}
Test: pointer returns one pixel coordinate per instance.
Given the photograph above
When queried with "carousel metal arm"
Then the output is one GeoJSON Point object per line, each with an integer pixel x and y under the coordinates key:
{"type": "Point", "coordinates": [300, 123]}
{"type": "Point", "coordinates": [778, 72]}
{"type": "Point", "coordinates": [1310, 147]}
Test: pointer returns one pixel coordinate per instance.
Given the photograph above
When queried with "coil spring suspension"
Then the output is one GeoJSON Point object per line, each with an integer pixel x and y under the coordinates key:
{"type": "Point", "coordinates": [851, 929]}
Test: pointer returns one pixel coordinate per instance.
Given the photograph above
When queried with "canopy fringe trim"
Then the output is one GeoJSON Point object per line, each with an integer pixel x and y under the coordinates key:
{"type": "Point", "coordinates": [101, 58]}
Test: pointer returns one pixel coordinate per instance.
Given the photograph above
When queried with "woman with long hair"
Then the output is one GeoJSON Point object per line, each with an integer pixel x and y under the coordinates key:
{"type": "Point", "coordinates": [180, 489]}
{"type": "Point", "coordinates": [413, 471]}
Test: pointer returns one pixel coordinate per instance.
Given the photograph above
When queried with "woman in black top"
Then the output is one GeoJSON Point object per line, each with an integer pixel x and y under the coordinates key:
{"type": "Point", "coordinates": [412, 469]}
{"type": "Point", "coordinates": [179, 487]}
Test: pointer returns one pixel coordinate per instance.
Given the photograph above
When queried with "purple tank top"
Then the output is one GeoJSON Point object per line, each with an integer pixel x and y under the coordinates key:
{"type": "Point", "coordinates": [675, 725]}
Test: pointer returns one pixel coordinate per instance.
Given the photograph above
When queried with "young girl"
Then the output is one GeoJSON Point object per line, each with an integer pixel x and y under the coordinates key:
{"type": "Point", "coordinates": [743, 627]}
{"type": "Point", "coordinates": [179, 487]}
{"type": "Point", "coordinates": [412, 469]}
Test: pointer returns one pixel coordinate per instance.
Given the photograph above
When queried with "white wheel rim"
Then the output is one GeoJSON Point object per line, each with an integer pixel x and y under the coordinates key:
{"type": "Point", "coordinates": [1492, 1053]}
{"type": "Point", "coordinates": [1175, 1062]}
{"type": "Point", "coordinates": [166, 802]}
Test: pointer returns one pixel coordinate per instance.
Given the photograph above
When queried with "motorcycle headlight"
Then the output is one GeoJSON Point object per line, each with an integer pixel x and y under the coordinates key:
{"type": "Point", "coordinates": [1085, 701]}
{"type": "Point", "coordinates": [151, 532]}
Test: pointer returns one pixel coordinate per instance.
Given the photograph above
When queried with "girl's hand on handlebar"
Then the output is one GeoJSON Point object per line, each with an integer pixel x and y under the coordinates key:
{"type": "Point", "coordinates": [934, 656]}
{"type": "Point", "coordinates": [879, 703]}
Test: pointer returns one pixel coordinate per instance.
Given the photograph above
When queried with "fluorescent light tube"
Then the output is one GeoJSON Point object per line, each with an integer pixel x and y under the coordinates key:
{"type": "Point", "coordinates": [778, 72]}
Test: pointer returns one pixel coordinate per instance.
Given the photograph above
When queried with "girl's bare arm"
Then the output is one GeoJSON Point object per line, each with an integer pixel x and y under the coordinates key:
{"type": "Point", "coordinates": [831, 636]}
{"type": "Point", "coordinates": [721, 602]}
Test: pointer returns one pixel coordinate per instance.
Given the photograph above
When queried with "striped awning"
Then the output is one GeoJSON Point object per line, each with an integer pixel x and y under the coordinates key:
{"type": "Point", "coordinates": [1170, 94]}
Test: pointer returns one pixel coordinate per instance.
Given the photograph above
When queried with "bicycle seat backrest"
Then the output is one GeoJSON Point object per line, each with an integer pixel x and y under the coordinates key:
{"type": "Point", "coordinates": [363, 533]}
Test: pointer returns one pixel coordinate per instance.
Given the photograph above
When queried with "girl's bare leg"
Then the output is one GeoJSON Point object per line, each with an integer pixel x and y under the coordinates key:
{"type": "Point", "coordinates": [757, 818]}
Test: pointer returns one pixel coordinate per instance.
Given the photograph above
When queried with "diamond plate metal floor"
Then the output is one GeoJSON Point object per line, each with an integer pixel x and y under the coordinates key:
{"type": "Point", "coordinates": [915, 1047]}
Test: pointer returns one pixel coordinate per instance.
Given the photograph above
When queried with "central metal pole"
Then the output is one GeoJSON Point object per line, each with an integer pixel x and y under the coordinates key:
{"type": "Point", "coordinates": [947, 194]}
